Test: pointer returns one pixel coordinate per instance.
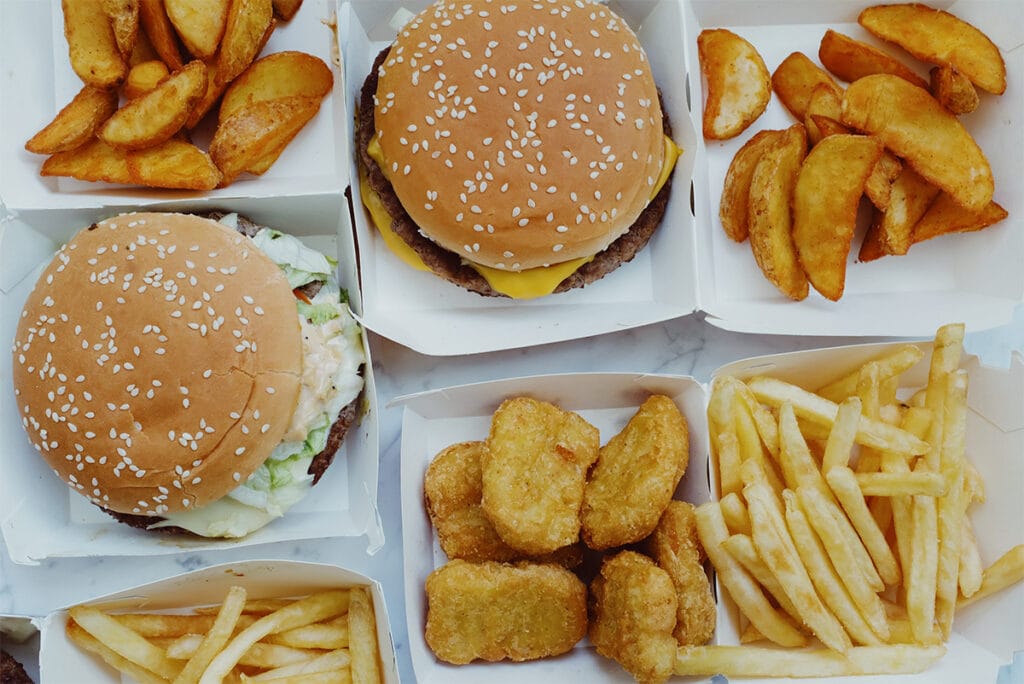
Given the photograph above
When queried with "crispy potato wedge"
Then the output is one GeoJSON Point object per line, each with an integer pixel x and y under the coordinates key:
{"type": "Point", "coordinates": [199, 23]}
{"type": "Point", "coordinates": [910, 198]}
{"type": "Point", "coordinates": [795, 79]}
{"type": "Point", "coordinates": [915, 127]}
{"type": "Point", "coordinates": [93, 161]}
{"type": "Point", "coordinates": [738, 83]}
{"type": "Point", "coordinates": [143, 50]}
{"type": "Point", "coordinates": [878, 186]}
{"type": "Point", "coordinates": [214, 90]}
{"type": "Point", "coordinates": [156, 116]}
{"type": "Point", "coordinates": [836, 169]}
{"type": "Point", "coordinates": [871, 247]}
{"type": "Point", "coordinates": [769, 219]}
{"type": "Point", "coordinates": [851, 59]}
{"type": "Point", "coordinates": [124, 19]}
{"type": "Point", "coordinates": [953, 90]}
{"type": "Point", "coordinates": [144, 77]}
{"type": "Point", "coordinates": [76, 124]}
{"type": "Point", "coordinates": [247, 23]}
{"type": "Point", "coordinates": [736, 190]}
{"type": "Point", "coordinates": [92, 47]}
{"type": "Point", "coordinates": [173, 164]}
{"type": "Point", "coordinates": [938, 37]}
{"type": "Point", "coordinates": [282, 74]}
{"type": "Point", "coordinates": [160, 32]}
{"type": "Point", "coordinates": [254, 132]}
{"type": "Point", "coordinates": [946, 216]}
{"type": "Point", "coordinates": [824, 101]}
{"type": "Point", "coordinates": [827, 126]}
{"type": "Point", "coordinates": [286, 9]}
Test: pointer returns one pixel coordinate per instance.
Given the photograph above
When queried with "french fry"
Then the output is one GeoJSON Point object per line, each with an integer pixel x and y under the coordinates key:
{"type": "Point", "coordinates": [764, 421]}
{"type": "Point", "coordinates": [732, 209]}
{"type": "Point", "coordinates": [744, 591]}
{"type": "Point", "coordinates": [333, 660]}
{"type": "Point", "coordinates": [946, 352]}
{"type": "Point", "coordinates": [363, 639]}
{"type": "Point", "coordinates": [844, 484]}
{"type": "Point", "coordinates": [328, 677]}
{"type": "Point", "coordinates": [1006, 571]}
{"type": "Point", "coordinates": [92, 47]}
{"type": "Point", "coordinates": [261, 655]}
{"type": "Point", "coordinates": [751, 661]}
{"type": "Point", "coordinates": [213, 642]}
{"type": "Point", "coordinates": [974, 485]}
{"type": "Point", "coordinates": [798, 466]}
{"type": "Point", "coordinates": [728, 462]}
{"type": "Point", "coordinates": [953, 90]}
{"type": "Point", "coordinates": [76, 123]}
{"type": "Point", "coordinates": [123, 641]}
{"type": "Point", "coordinates": [971, 571]}
{"type": "Point", "coordinates": [734, 511]}
{"type": "Point", "coordinates": [951, 507]}
{"type": "Point", "coordinates": [921, 579]}
{"type": "Point", "coordinates": [741, 547]}
{"type": "Point", "coordinates": [332, 635]}
{"type": "Point", "coordinates": [841, 437]}
{"type": "Point", "coordinates": [255, 606]}
{"type": "Point", "coordinates": [154, 626]}
{"type": "Point", "coordinates": [87, 642]}
{"type": "Point", "coordinates": [901, 483]}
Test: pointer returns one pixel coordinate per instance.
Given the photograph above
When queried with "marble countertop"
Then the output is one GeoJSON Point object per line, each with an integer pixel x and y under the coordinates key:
{"type": "Point", "coordinates": [685, 346]}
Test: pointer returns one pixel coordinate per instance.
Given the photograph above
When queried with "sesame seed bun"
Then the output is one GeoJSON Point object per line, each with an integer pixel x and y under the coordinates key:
{"type": "Point", "coordinates": [521, 137]}
{"type": "Point", "coordinates": [157, 362]}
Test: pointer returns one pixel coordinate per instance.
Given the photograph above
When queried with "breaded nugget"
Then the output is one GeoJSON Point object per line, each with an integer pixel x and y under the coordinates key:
{"type": "Point", "coordinates": [632, 614]}
{"type": "Point", "coordinates": [496, 611]}
{"type": "Point", "coordinates": [533, 473]}
{"type": "Point", "coordinates": [452, 489]}
{"type": "Point", "coordinates": [676, 549]}
{"type": "Point", "coordinates": [635, 476]}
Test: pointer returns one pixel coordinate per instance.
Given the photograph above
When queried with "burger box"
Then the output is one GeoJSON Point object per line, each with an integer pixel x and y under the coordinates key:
{"type": "Point", "coordinates": [60, 660]}
{"type": "Point", "coordinates": [689, 264]}
{"type": "Point", "coordinates": [986, 634]}
{"type": "Point", "coordinates": [40, 517]}
{"type": "Point", "coordinates": [19, 636]}
{"type": "Point", "coordinates": [39, 78]}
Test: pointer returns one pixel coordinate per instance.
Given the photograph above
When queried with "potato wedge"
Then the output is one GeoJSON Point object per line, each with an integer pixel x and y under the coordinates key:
{"type": "Point", "coordinates": [247, 23]}
{"type": "Point", "coordinates": [953, 90]}
{"type": "Point", "coordinates": [199, 23]}
{"type": "Point", "coordinates": [871, 247]}
{"type": "Point", "coordinates": [160, 32]}
{"type": "Point", "coordinates": [824, 101]}
{"type": "Point", "coordinates": [771, 188]}
{"type": "Point", "coordinates": [878, 186]}
{"type": "Point", "coordinates": [93, 161]}
{"type": "Point", "coordinates": [159, 114]}
{"type": "Point", "coordinates": [92, 46]}
{"type": "Point", "coordinates": [915, 127]}
{"type": "Point", "coordinates": [282, 74]}
{"type": "Point", "coordinates": [173, 164]}
{"type": "Point", "coordinates": [909, 199]}
{"type": "Point", "coordinates": [835, 170]}
{"type": "Point", "coordinates": [143, 50]}
{"type": "Point", "coordinates": [946, 216]}
{"type": "Point", "coordinates": [738, 83]}
{"type": "Point", "coordinates": [938, 37]}
{"type": "Point", "coordinates": [76, 124]}
{"type": "Point", "coordinates": [144, 77]}
{"type": "Point", "coordinates": [254, 132]}
{"type": "Point", "coordinates": [124, 19]}
{"type": "Point", "coordinates": [851, 59]}
{"type": "Point", "coordinates": [286, 9]}
{"type": "Point", "coordinates": [794, 81]}
{"type": "Point", "coordinates": [736, 190]}
{"type": "Point", "coordinates": [214, 90]}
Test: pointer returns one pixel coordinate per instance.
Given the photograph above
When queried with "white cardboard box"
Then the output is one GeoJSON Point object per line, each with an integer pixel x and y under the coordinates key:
{"type": "Point", "coordinates": [986, 634]}
{"type": "Point", "coordinates": [40, 517]}
{"type": "Point", "coordinates": [61, 661]}
{"type": "Point", "coordinates": [690, 265]}
{"type": "Point", "coordinates": [37, 81]}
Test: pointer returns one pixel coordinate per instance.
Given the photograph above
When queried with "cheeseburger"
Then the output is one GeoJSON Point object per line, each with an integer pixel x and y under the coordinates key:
{"type": "Point", "coordinates": [514, 149]}
{"type": "Point", "coordinates": [189, 373]}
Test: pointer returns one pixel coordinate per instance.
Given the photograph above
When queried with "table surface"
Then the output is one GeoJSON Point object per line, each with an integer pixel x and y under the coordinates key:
{"type": "Point", "coordinates": [685, 346]}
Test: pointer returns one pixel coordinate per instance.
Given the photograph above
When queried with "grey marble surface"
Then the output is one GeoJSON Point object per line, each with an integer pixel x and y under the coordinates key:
{"type": "Point", "coordinates": [687, 346]}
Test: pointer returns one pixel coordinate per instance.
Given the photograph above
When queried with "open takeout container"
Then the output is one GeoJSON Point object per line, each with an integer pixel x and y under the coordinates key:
{"type": "Point", "coordinates": [61, 661]}
{"type": "Point", "coordinates": [690, 265]}
{"type": "Point", "coordinates": [40, 517]}
{"type": "Point", "coordinates": [38, 81]}
{"type": "Point", "coordinates": [986, 634]}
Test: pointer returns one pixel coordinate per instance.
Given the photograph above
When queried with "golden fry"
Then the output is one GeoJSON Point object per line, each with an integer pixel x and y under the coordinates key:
{"type": "Point", "coordinates": [732, 209]}
{"type": "Point", "coordinates": [794, 81]}
{"type": "Point", "coordinates": [76, 124]}
{"type": "Point", "coordinates": [851, 59]}
{"type": "Point", "coordinates": [739, 86]}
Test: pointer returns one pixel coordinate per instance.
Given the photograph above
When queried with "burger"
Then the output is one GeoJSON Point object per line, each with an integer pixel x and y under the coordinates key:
{"type": "Point", "coordinates": [514, 149]}
{"type": "Point", "coordinates": [188, 373]}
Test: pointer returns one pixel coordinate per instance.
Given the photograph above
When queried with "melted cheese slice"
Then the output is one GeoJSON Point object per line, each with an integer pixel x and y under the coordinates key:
{"type": "Point", "coordinates": [526, 284]}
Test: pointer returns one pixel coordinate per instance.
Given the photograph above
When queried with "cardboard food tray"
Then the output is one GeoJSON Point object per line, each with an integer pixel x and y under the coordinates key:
{"type": "Point", "coordinates": [986, 634]}
{"type": "Point", "coordinates": [38, 81]}
{"type": "Point", "coordinates": [40, 517]}
{"type": "Point", "coordinates": [62, 661]}
{"type": "Point", "coordinates": [690, 265]}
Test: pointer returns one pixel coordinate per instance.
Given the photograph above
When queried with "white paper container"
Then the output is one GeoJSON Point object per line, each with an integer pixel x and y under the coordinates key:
{"type": "Point", "coordinates": [985, 635]}
{"type": "Point", "coordinates": [62, 661]}
{"type": "Point", "coordinates": [434, 317]}
{"type": "Point", "coordinates": [39, 81]}
{"type": "Point", "coordinates": [975, 278]}
{"type": "Point", "coordinates": [433, 420]}
{"type": "Point", "coordinates": [40, 517]}
{"type": "Point", "coordinates": [19, 636]}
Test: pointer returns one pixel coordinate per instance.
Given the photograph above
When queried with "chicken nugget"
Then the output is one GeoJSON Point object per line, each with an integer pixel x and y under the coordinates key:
{"type": "Point", "coordinates": [636, 474]}
{"type": "Point", "coordinates": [676, 549]}
{"type": "Point", "coordinates": [533, 472]}
{"type": "Point", "coordinates": [496, 611]}
{"type": "Point", "coordinates": [452, 488]}
{"type": "Point", "coordinates": [632, 614]}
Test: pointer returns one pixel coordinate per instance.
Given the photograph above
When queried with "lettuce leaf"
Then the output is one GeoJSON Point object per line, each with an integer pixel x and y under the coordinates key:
{"type": "Point", "coordinates": [301, 265]}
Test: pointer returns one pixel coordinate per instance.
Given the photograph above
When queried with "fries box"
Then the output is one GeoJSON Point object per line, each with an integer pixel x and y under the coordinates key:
{"type": "Point", "coordinates": [39, 80]}
{"type": "Point", "coordinates": [40, 517]}
{"type": "Point", "coordinates": [690, 265]}
{"type": "Point", "coordinates": [19, 636]}
{"type": "Point", "coordinates": [62, 661]}
{"type": "Point", "coordinates": [985, 635]}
